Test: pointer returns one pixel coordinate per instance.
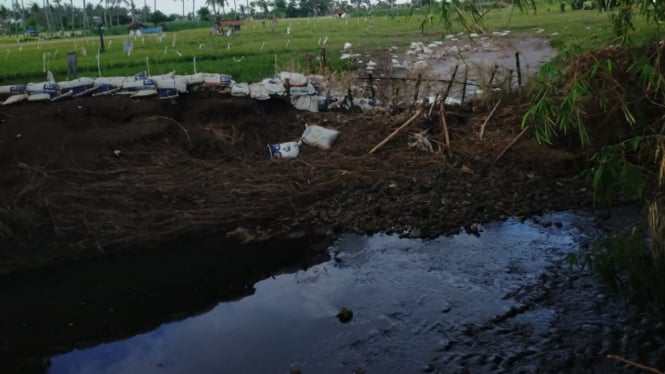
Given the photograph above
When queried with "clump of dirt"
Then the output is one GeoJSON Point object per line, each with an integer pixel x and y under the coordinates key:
{"type": "Point", "coordinates": [95, 176]}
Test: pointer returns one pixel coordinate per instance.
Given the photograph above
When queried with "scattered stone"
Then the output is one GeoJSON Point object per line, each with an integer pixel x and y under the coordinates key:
{"type": "Point", "coordinates": [428, 368]}
{"type": "Point", "coordinates": [345, 315]}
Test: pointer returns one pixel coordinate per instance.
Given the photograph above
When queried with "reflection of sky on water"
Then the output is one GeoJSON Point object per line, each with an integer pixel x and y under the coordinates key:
{"type": "Point", "coordinates": [395, 287]}
{"type": "Point", "coordinates": [233, 335]}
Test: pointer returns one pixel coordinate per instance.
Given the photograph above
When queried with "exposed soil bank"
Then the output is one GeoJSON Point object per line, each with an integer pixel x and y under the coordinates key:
{"type": "Point", "coordinates": [95, 176]}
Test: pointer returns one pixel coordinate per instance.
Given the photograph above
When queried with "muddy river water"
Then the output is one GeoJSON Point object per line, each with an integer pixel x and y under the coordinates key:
{"type": "Point", "coordinates": [413, 303]}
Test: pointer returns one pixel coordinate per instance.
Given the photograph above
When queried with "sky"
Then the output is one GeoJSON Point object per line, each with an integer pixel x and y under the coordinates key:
{"type": "Point", "coordinates": [164, 6]}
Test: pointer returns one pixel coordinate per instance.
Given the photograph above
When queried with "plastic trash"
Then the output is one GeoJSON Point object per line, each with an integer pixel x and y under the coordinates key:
{"type": "Point", "coordinates": [284, 150]}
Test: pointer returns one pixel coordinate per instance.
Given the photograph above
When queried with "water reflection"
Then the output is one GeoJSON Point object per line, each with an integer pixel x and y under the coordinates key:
{"type": "Point", "coordinates": [406, 296]}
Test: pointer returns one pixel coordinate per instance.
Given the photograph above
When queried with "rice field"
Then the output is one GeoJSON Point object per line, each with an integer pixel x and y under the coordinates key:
{"type": "Point", "coordinates": [255, 52]}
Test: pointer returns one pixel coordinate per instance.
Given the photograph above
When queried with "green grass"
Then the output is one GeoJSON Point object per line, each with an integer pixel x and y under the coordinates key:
{"type": "Point", "coordinates": [255, 52]}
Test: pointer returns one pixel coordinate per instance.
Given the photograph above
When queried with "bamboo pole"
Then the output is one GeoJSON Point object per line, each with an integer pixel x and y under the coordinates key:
{"type": "Point", "coordinates": [482, 127]}
{"type": "Point", "coordinates": [444, 124]}
{"type": "Point", "coordinates": [394, 133]}
{"type": "Point", "coordinates": [450, 84]}
{"type": "Point", "coordinates": [511, 144]}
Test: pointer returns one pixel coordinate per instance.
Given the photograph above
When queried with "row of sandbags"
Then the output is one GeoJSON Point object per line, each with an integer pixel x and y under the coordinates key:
{"type": "Point", "coordinates": [303, 90]}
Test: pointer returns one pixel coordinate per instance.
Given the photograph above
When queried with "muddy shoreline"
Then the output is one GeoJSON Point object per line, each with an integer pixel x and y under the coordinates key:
{"type": "Point", "coordinates": [89, 177]}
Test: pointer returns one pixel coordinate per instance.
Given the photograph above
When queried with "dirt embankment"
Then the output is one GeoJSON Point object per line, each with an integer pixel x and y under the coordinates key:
{"type": "Point", "coordinates": [94, 176]}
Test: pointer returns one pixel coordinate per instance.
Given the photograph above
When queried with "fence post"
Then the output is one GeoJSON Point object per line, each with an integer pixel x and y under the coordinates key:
{"type": "Point", "coordinates": [519, 71]}
{"type": "Point", "coordinates": [415, 95]}
{"type": "Point", "coordinates": [466, 77]}
{"type": "Point", "coordinates": [371, 86]}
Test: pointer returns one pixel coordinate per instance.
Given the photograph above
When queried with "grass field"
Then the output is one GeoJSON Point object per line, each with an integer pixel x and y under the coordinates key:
{"type": "Point", "coordinates": [254, 52]}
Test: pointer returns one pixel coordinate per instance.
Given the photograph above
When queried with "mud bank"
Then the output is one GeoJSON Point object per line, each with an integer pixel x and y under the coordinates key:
{"type": "Point", "coordinates": [88, 177]}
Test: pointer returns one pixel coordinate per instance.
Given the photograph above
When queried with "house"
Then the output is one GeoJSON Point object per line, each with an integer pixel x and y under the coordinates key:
{"type": "Point", "coordinates": [232, 23]}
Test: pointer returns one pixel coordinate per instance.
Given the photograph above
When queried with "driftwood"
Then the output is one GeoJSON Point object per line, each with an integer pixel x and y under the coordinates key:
{"type": "Point", "coordinates": [482, 127]}
{"type": "Point", "coordinates": [511, 144]}
{"type": "Point", "coordinates": [394, 133]}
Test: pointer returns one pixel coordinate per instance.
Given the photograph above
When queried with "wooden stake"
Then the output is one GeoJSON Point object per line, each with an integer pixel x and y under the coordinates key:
{"type": "Point", "coordinates": [415, 95]}
{"type": "Point", "coordinates": [466, 77]}
{"type": "Point", "coordinates": [496, 67]}
{"type": "Point", "coordinates": [519, 70]}
{"type": "Point", "coordinates": [392, 135]}
{"type": "Point", "coordinates": [444, 124]}
{"type": "Point", "coordinates": [482, 127]}
{"type": "Point", "coordinates": [511, 144]}
{"type": "Point", "coordinates": [450, 84]}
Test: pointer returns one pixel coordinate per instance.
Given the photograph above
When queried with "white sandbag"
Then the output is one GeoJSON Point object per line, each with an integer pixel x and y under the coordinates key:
{"type": "Point", "coordinates": [86, 91]}
{"type": "Point", "coordinates": [139, 85]}
{"type": "Point", "coordinates": [217, 80]}
{"type": "Point", "coordinates": [42, 87]}
{"type": "Point", "coordinates": [320, 137]}
{"type": "Point", "coordinates": [61, 96]}
{"type": "Point", "coordinates": [167, 93]}
{"type": "Point", "coordinates": [274, 86]}
{"type": "Point", "coordinates": [145, 93]}
{"type": "Point", "coordinates": [39, 97]}
{"type": "Point", "coordinates": [12, 89]}
{"type": "Point", "coordinates": [302, 90]}
{"type": "Point", "coordinates": [111, 82]}
{"type": "Point", "coordinates": [240, 89]}
{"type": "Point", "coordinates": [178, 84]}
{"type": "Point", "coordinates": [284, 150]}
{"type": "Point", "coordinates": [308, 103]}
{"type": "Point", "coordinates": [192, 78]}
{"type": "Point", "coordinates": [15, 99]}
{"type": "Point", "coordinates": [258, 91]}
{"type": "Point", "coordinates": [295, 79]}
{"type": "Point", "coordinates": [79, 82]}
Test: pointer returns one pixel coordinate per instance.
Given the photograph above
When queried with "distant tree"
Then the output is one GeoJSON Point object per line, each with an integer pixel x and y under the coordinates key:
{"type": "Point", "coordinates": [292, 10]}
{"type": "Point", "coordinates": [280, 7]}
{"type": "Point", "coordinates": [204, 14]}
{"type": "Point", "coordinates": [158, 17]}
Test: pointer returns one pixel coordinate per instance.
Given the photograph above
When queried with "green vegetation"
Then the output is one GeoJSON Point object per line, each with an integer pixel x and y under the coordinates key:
{"type": "Point", "coordinates": [24, 60]}
{"type": "Point", "coordinates": [612, 98]}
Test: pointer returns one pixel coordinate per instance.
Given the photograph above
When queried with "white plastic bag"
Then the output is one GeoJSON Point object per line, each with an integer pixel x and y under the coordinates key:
{"type": "Point", "coordinates": [284, 150]}
{"type": "Point", "coordinates": [320, 137]}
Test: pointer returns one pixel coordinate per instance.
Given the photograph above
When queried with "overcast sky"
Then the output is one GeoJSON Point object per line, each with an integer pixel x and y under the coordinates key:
{"type": "Point", "coordinates": [164, 6]}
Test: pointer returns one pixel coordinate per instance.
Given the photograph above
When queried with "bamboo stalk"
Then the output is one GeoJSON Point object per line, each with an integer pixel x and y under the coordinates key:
{"type": "Point", "coordinates": [444, 124]}
{"type": "Point", "coordinates": [482, 127]}
{"type": "Point", "coordinates": [394, 133]}
{"type": "Point", "coordinates": [511, 144]}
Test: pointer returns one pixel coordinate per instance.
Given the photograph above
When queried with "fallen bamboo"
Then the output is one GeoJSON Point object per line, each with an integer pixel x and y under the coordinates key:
{"type": "Point", "coordinates": [635, 364]}
{"type": "Point", "coordinates": [482, 127]}
{"type": "Point", "coordinates": [511, 144]}
{"type": "Point", "coordinates": [394, 133]}
{"type": "Point", "coordinates": [444, 124]}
